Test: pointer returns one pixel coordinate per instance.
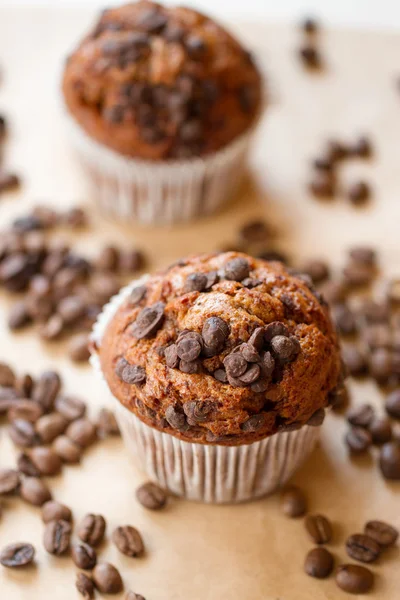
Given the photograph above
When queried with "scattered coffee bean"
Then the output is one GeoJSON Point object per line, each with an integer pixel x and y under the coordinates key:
{"type": "Point", "coordinates": [132, 596]}
{"type": "Point", "coordinates": [361, 416]}
{"type": "Point", "coordinates": [151, 496]}
{"type": "Point", "coordinates": [85, 586]}
{"type": "Point", "coordinates": [23, 433]}
{"type": "Point", "coordinates": [323, 185]}
{"type": "Point", "coordinates": [389, 460]}
{"type": "Point", "coordinates": [319, 528]}
{"type": "Point", "coordinates": [345, 320]}
{"type": "Point", "coordinates": [26, 466]}
{"type": "Point", "coordinates": [56, 538]}
{"type": "Point", "coordinates": [9, 481]}
{"type": "Point", "coordinates": [84, 556]}
{"type": "Point", "coordinates": [354, 360]}
{"type": "Point", "coordinates": [362, 148]}
{"type": "Point", "coordinates": [45, 460]}
{"type": "Point", "coordinates": [46, 390]}
{"type": "Point", "coordinates": [310, 57]}
{"type": "Point", "coordinates": [78, 348]}
{"type": "Point", "coordinates": [27, 410]}
{"type": "Point", "coordinates": [318, 270]}
{"type": "Point", "coordinates": [380, 430]}
{"type": "Point", "coordinates": [70, 407]}
{"type": "Point", "coordinates": [128, 541]}
{"type": "Point", "coordinates": [67, 450]}
{"type": "Point", "coordinates": [293, 502]}
{"type": "Point", "coordinates": [362, 548]}
{"type": "Point", "coordinates": [17, 555]}
{"type": "Point", "coordinates": [107, 579]}
{"type": "Point", "coordinates": [91, 529]}
{"type": "Point", "coordinates": [359, 193]}
{"type": "Point", "coordinates": [50, 426]}
{"type": "Point", "coordinates": [392, 404]}
{"type": "Point", "coordinates": [8, 181]}
{"type": "Point", "coordinates": [34, 491]}
{"type": "Point", "coordinates": [358, 440]}
{"type": "Point", "coordinates": [82, 432]}
{"type": "Point", "coordinates": [54, 511]}
{"type": "Point", "coordinates": [319, 563]}
{"type": "Point", "coordinates": [107, 424]}
{"type": "Point", "coordinates": [7, 375]}
{"type": "Point", "coordinates": [383, 533]}
{"type": "Point", "coordinates": [354, 579]}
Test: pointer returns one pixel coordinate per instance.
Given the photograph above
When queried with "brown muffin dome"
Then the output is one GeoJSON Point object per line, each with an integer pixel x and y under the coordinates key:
{"type": "Point", "coordinates": [155, 83]}
{"type": "Point", "coordinates": [222, 348]}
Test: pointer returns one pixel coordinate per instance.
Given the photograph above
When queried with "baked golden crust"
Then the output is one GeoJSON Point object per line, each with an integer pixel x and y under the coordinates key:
{"type": "Point", "coordinates": [156, 83]}
{"type": "Point", "coordinates": [270, 317]}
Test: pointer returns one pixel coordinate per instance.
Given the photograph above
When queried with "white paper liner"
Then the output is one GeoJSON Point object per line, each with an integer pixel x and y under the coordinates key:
{"type": "Point", "coordinates": [160, 192]}
{"type": "Point", "coordinates": [206, 473]}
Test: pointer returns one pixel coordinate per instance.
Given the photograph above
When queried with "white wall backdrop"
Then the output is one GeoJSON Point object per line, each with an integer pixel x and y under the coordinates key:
{"type": "Point", "coordinates": [363, 13]}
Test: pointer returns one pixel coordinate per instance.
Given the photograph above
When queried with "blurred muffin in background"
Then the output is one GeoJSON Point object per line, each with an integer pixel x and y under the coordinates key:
{"type": "Point", "coordinates": [162, 103]}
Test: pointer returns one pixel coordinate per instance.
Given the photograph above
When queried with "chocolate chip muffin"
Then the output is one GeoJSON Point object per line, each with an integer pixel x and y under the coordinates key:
{"type": "Point", "coordinates": [223, 349]}
{"type": "Point", "coordinates": [161, 85]}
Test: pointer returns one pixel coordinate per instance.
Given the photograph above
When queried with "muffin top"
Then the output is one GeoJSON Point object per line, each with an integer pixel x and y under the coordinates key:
{"type": "Point", "coordinates": [157, 83]}
{"type": "Point", "coordinates": [222, 348]}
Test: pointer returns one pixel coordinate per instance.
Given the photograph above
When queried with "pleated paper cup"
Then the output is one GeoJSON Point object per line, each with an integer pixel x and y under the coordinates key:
{"type": "Point", "coordinates": [205, 472]}
{"type": "Point", "coordinates": [163, 192]}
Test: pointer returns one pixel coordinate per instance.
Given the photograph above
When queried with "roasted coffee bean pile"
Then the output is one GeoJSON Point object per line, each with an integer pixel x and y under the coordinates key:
{"type": "Point", "coordinates": [63, 291]}
{"type": "Point", "coordinates": [309, 52]}
{"type": "Point", "coordinates": [365, 547]}
{"type": "Point", "coordinates": [325, 181]}
{"type": "Point", "coordinates": [50, 429]}
{"type": "Point", "coordinates": [8, 180]}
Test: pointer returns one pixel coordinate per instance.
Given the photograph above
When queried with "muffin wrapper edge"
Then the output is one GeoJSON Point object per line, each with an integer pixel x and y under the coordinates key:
{"type": "Point", "coordinates": [206, 473]}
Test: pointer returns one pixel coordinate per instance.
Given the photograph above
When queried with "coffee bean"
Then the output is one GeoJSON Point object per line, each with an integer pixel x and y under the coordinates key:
{"type": "Point", "coordinates": [91, 529]}
{"type": "Point", "coordinates": [67, 450]}
{"type": "Point", "coordinates": [46, 390]}
{"type": "Point", "coordinates": [389, 460]}
{"type": "Point", "coordinates": [128, 541]}
{"type": "Point", "coordinates": [84, 556]}
{"type": "Point", "coordinates": [362, 548]}
{"type": "Point", "coordinates": [319, 563]}
{"type": "Point", "coordinates": [151, 496]}
{"type": "Point", "coordinates": [176, 418]}
{"type": "Point", "coordinates": [344, 319]}
{"type": "Point", "coordinates": [132, 596]}
{"type": "Point", "coordinates": [361, 416]}
{"type": "Point", "coordinates": [380, 430]}
{"type": "Point", "coordinates": [254, 231]}
{"type": "Point", "coordinates": [333, 291]}
{"type": "Point", "coordinates": [50, 426]}
{"type": "Point", "coordinates": [354, 579]}
{"type": "Point", "coordinates": [319, 528]}
{"type": "Point", "coordinates": [17, 555]}
{"type": "Point", "coordinates": [293, 502]}
{"type": "Point", "coordinates": [9, 481]}
{"type": "Point", "coordinates": [339, 398]}
{"type": "Point", "coordinates": [310, 57]}
{"type": "Point", "coordinates": [149, 321]}
{"type": "Point", "coordinates": [7, 375]}
{"type": "Point", "coordinates": [18, 317]}
{"type": "Point", "coordinates": [359, 193]}
{"type": "Point", "coordinates": [196, 282]}
{"type": "Point", "coordinates": [56, 538]}
{"type": "Point", "coordinates": [52, 328]}
{"type": "Point", "coordinates": [82, 432]}
{"type": "Point", "coordinates": [285, 348]}
{"type": "Point", "coordinates": [392, 404]}
{"type": "Point", "coordinates": [45, 460]}
{"type": "Point", "coordinates": [377, 336]}
{"type": "Point", "coordinates": [34, 491]}
{"type": "Point", "coordinates": [364, 255]}
{"type": "Point", "coordinates": [237, 269]}
{"type": "Point", "coordinates": [27, 410]}
{"type": "Point", "coordinates": [323, 185]}
{"type": "Point", "coordinates": [26, 466]}
{"type": "Point", "coordinates": [23, 433]}
{"type": "Point", "coordinates": [78, 348]}
{"type": "Point", "coordinates": [54, 511]}
{"type": "Point", "coordinates": [215, 332]}
{"type": "Point", "coordinates": [358, 274]}
{"type": "Point", "coordinates": [380, 365]}
{"type": "Point", "coordinates": [383, 533]}
{"type": "Point", "coordinates": [107, 579]}
{"type": "Point", "coordinates": [358, 439]}
{"type": "Point", "coordinates": [107, 424]}
{"type": "Point", "coordinates": [318, 270]}
{"type": "Point", "coordinates": [70, 407]}
{"type": "Point", "coordinates": [354, 360]}
{"type": "Point", "coordinates": [85, 586]}
{"type": "Point", "coordinates": [362, 148]}
{"type": "Point", "coordinates": [107, 259]}
{"type": "Point", "coordinates": [8, 181]}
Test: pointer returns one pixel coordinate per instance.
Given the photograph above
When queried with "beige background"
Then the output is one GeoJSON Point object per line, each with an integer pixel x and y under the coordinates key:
{"type": "Point", "coordinates": [248, 552]}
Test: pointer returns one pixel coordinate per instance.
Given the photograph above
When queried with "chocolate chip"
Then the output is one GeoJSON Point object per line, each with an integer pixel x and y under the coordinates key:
{"type": "Point", "coordinates": [215, 332]}
{"type": "Point", "coordinates": [383, 533]}
{"type": "Point", "coordinates": [17, 555]}
{"type": "Point", "coordinates": [319, 528]}
{"type": "Point", "coordinates": [359, 193]}
{"type": "Point", "coordinates": [251, 375]}
{"type": "Point", "coordinates": [190, 367]}
{"type": "Point", "coordinates": [195, 47]}
{"type": "Point", "coordinates": [133, 374]}
{"type": "Point", "coordinates": [392, 404]}
{"type": "Point", "coordinates": [9, 481]}
{"type": "Point", "coordinates": [358, 439]}
{"type": "Point", "coordinates": [285, 348]}
{"type": "Point", "coordinates": [389, 460]}
{"type": "Point", "coordinates": [220, 375]}
{"type": "Point", "coordinates": [273, 329]}
{"type": "Point", "coordinates": [91, 529]}
{"type": "Point", "coordinates": [316, 418]}
{"type": "Point", "coordinates": [34, 491]}
{"type": "Point", "coordinates": [249, 352]}
{"type": "Point", "coordinates": [260, 386]}
{"type": "Point", "coordinates": [54, 511]}
{"type": "Point", "coordinates": [235, 365]}
{"type": "Point", "coordinates": [254, 423]}
{"type": "Point", "coordinates": [319, 563]}
{"type": "Point", "coordinates": [354, 579]}
{"type": "Point", "coordinates": [196, 282]}
{"type": "Point", "coordinates": [361, 416]}
{"type": "Point", "coordinates": [84, 556]}
{"type": "Point", "coordinates": [151, 496]}
{"type": "Point", "coordinates": [197, 411]}
{"type": "Point", "coordinates": [152, 20]}
{"type": "Point", "coordinates": [148, 321]}
{"type": "Point", "coordinates": [128, 541]}
{"type": "Point", "coordinates": [189, 346]}
{"type": "Point", "coordinates": [362, 548]}
{"type": "Point", "coordinates": [237, 269]}
{"type": "Point", "coordinates": [85, 586]}
{"type": "Point", "coordinates": [293, 502]}
{"type": "Point", "coordinates": [171, 356]}
{"type": "Point", "coordinates": [137, 295]}
{"type": "Point", "coordinates": [176, 418]}
{"type": "Point", "coordinates": [56, 538]}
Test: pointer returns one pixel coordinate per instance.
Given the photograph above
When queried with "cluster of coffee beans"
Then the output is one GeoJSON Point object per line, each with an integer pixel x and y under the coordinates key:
{"type": "Point", "coordinates": [8, 180]}
{"type": "Point", "coordinates": [364, 547]}
{"type": "Point", "coordinates": [63, 292]}
{"type": "Point", "coordinates": [325, 184]}
{"type": "Point", "coordinates": [309, 52]}
{"type": "Point", "coordinates": [51, 429]}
